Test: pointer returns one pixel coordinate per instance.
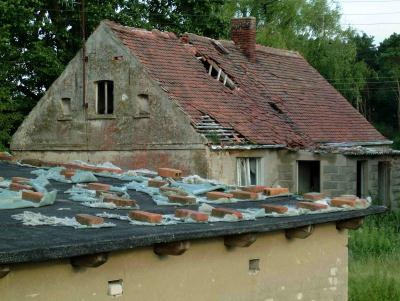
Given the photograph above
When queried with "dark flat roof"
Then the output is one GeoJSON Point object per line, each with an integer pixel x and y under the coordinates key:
{"type": "Point", "coordinates": [19, 243]}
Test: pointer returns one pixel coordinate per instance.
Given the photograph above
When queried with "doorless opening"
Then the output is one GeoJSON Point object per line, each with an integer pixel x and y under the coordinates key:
{"type": "Point", "coordinates": [308, 176]}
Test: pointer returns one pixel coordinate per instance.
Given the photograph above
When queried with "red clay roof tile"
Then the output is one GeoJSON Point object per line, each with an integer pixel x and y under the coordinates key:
{"type": "Point", "coordinates": [307, 110]}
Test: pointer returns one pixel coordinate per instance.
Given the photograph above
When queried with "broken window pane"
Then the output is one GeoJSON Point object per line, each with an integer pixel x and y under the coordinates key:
{"type": "Point", "coordinates": [105, 97]}
{"type": "Point", "coordinates": [248, 171]}
{"type": "Point", "coordinates": [216, 72]}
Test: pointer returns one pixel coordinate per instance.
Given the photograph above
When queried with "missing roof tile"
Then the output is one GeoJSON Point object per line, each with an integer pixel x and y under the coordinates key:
{"type": "Point", "coordinates": [216, 72]}
{"type": "Point", "coordinates": [219, 47]}
{"type": "Point", "coordinates": [275, 107]}
{"type": "Point", "coordinates": [216, 133]}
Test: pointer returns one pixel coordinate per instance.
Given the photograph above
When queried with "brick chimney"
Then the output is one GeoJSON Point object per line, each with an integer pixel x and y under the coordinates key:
{"type": "Point", "coordinates": [243, 33]}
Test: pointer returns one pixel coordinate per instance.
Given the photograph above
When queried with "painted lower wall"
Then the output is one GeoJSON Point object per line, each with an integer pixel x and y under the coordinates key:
{"type": "Point", "coordinates": [188, 160]}
{"type": "Point", "coordinates": [311, 269]}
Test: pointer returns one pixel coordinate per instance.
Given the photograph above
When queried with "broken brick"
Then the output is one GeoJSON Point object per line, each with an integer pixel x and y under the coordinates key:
{"type": "Point", "coordinates": [349, 196]}
{"type": "Point", "coordinates": [195, 215]}
{"type": "Point", "coordinates": [18, 187]}
{"type": "Point", "coordinates": [171, 190]}
{"type": "Point", "coordinates": [98, 186]}
{"type": "Point", "coordinates": [311, 206]}
{"type": "Point", "coordinates": [68, 173]}
{"type": "Point", "coordinates": [274, 208]}
{"type": "Point", "coordinates": [341, 201]}
{"type": "Point", "coordinates": [221, 212]}
{"type": "Point", "coordinates": [244, 195]}
{"type": "Point", "coordinates": [182, 199]}
{"type": "Point", "coordinates": [216, 195]}
{"type": "Point", "coordinates": [271, 191]}
{"type": "Point", "coordinates": [255, 188]}
{"type": "Point", "coordinates": [88, 220]}
{"type": "Point", "coordinates": [314, 196]}
{"type": "Point", "coordinates": [170, 173]}
{"type": "Point", "coordinates": [144, 216]}
{"type": "Point", "coordinates": [156, 183]}
{"type": "Point", "coordinates": [6, 157]}
{"type": "Point", "coordinates": [120, 202]}
{"type": "Point", "coordinates": [20, 180]}
{"type": "Point", "coordinates": [32, 196]}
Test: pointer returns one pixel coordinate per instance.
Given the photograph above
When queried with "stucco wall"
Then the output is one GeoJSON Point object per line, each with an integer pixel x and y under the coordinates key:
{"type": "Point", "coordinates": [310, 269]}
{"type": "Point", "coordinates": [164, 129]}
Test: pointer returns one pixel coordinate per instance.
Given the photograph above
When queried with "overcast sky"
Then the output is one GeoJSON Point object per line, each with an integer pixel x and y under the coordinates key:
{"type": "Point", "coordinates": [365, 14]}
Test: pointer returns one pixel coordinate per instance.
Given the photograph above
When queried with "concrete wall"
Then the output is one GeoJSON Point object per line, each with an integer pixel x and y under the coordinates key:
{"type": "Point", "coordinates": [123, 137]}
{"type": "Point", "coordinates": [338, 173]}
{"type": "Point", "coordinates": [310, 269]}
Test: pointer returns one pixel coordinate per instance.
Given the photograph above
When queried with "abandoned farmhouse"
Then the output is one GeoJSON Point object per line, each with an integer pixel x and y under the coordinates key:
{"type": "Point", "coordinates": [250, 117]}
{"type": "Point", "coordinates": [234, 111]}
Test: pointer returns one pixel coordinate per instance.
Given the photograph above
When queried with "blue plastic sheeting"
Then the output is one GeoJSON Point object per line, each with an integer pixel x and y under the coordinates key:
{"type": "Point", "coordinates": [54, 173]}
{"type": "Point", "coordinates": [12, 200]}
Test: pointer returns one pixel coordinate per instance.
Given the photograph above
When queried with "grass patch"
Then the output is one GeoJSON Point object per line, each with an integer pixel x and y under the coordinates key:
{"type": "Point", "coordinates": [374, 259]}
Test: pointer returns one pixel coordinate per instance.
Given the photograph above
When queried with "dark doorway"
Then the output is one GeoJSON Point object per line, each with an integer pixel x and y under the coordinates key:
{"type": "Point", "coordinates": [362, 178]}
{"type": "Point", "coordinates": [384, 182]}
{"type": "Point", "coordinates": [308, 176]}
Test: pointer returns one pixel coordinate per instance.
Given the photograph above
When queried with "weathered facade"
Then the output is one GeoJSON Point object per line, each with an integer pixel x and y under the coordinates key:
{"type": "Point", "coordinates": [147, 95]}
{"type": "Point", "coordinates": [286, 270]}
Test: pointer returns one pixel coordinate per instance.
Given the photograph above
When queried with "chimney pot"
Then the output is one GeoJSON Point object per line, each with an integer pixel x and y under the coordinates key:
{"type": "Point", "coordinates": [243, 33]}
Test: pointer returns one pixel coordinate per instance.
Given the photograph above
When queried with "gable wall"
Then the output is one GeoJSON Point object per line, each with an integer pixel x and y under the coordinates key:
{"type": "Point", "coordinates": [164, 137]}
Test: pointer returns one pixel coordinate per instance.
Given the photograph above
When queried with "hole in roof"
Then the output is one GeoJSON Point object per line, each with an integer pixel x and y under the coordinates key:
{"type": "Point", "coordinates": [219, 47]}
{"type": "Point", "coordinates": [216, 72]}
{"type": "Point", "coordinates": [275, 107]}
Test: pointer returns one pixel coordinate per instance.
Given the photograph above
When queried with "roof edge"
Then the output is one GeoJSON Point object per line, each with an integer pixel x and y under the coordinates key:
{"type": "Point", "coordinates": [247, 146]}
{"type": "Point", "coordinates": [357, 143]}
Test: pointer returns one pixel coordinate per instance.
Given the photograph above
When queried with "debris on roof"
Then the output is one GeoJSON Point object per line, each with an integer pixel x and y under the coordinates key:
{"type": "Point", "coordinates": [123, 229]}
{"type": "Point", "coordinates": [308, 111]}
{"type": "Point", "coordinates": [358, 151]}
{"type": "Point", "coordinates": [216, 133]}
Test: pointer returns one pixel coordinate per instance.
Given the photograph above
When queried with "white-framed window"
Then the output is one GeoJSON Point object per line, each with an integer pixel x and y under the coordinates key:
{"type": "Point", "coordinates": [248, 171]}
{"type": "Point", "coordinates": [105, 97]}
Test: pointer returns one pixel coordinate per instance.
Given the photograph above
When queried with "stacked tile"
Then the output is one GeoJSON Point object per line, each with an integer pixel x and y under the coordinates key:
{"type": "Point", "coordinates": [314, 196]}
{"type": "Point", "coordinates": [144, 216]}
{"type": "Point", "coordinates": [244, 195]}
{"type": "Point", "coordinates": [195, 215]}
{"type": "Point", "coordinates": [217, 195]}
{"type": "Point", "coordinates": [88, 220]}
{"type": "Point", "coordinates": [272, 191]}
{"type": "Point", "coordinates": [221, 212]}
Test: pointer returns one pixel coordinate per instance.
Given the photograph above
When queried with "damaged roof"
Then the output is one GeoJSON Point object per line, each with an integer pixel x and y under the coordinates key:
{"type": "Point", "coordinates": [20, 243]}
{"type": "Point", "coordinates": [278, 100]}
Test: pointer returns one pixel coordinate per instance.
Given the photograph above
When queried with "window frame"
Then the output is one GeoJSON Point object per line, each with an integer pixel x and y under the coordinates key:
{"type": "Point", "coordinates": [247, 181]}
{"type": "Point", "coordinates": [107, 85]}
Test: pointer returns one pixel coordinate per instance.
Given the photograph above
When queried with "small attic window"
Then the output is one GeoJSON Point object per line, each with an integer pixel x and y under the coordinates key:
{"type": "Point", "coordinates": [217, 73]}
{"type": "Point", "coordinates": [143, 104]}
{"type": "Point", "coordinates": [66, 106]}
{"type": "Point", "coordinates": [105, 97]}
